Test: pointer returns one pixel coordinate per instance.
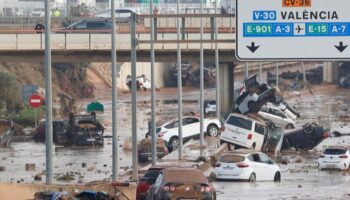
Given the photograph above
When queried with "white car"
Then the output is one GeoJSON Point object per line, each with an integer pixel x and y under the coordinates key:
{"type": "Point", "coordinates": [121, 14]}
{"type": "Point", "coordinates": [278, 117]}
{"type": "Point", "coordinates": [247, 165]}
{"type": "Point", "coordinates": [335, 157]}
{"type": "Point", "coordinates": [190, 129]}
{"type": "Point", "coordinates": [209, 107]}
{"type": "Point", "coordinates": [38, 12]}
{"type": "Point", "coordinates": [141, 82]}
{"type": "Point", "coordinates": [254, 96]}
{"type": "Point", "coordinates": [244, 131]}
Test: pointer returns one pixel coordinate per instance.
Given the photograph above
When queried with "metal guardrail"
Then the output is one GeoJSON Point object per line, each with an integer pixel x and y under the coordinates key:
{"type": "Point", "coordinates": [165, 35]}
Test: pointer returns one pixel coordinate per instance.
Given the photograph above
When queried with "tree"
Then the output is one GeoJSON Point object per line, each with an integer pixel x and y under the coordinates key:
{"type": "Point", "coordinates": [9, 95]}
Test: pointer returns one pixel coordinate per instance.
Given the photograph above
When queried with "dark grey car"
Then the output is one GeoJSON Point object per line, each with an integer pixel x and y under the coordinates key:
{"type": "Point", "coordinates": [88, 26]}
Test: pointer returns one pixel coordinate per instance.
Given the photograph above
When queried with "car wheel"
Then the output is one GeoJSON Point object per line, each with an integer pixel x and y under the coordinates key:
{"type": "Point", "coordinates": [290, 126]}
{"type": "Point", "coordinates": [253, 146]}
{"type": "Point", "coordinates": [174, 143]}
{"type": "Point", "coordinates": [252, 178]}
{"type": "Point", "coordinates": [277, 177]}
{"type": "Point", "coordinates": [213, 130]}
{"type": "Point", "coordinates": [308, 129]}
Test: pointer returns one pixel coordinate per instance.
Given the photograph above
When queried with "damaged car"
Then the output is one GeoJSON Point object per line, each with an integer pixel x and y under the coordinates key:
{"type": "Point", "coordinates": [85, 130]}
{"type": "Point", "coordinates": [254, 96]}
{"type": "Point", "coordinates": [304, 138]}
{"type": "Point", "coordinates": [277, 116]}
{"type": "Point", "coordinates": [144, 149]}
{"type": "Point", "coordinates": [251, 132]}
{"type": "Point", "coordinates": [142, 83]}
{"type": "Point", "coordinates": [190, 129]}
{"type": "Point", "coordinates": [181, 183]}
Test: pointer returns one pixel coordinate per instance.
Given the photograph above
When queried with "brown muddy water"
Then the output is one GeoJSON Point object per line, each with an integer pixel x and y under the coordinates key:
{"type": "Point", "coordinates": [300, 180]}
{"type": "Point", "coordinates": [98, 160]}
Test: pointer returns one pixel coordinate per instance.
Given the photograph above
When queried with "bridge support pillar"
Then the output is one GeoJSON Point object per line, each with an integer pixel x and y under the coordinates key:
{"type": "Point", "coordinates": [226, 88]}
{"type": "Point", "coordinates": [330, 72]}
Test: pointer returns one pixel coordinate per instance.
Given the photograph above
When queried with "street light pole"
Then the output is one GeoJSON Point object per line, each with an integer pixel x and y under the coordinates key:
{"type": "Point", "coordinates": [201, 99]}
{"type": "Point", "coordinates": [115, 155]}
{"type": "Point", "coordinates": [179, 82]}
{"type": "Point", "coordinates": [48, 95]}
{"type": "Point", "coordinates": [153, 94]}
{"type": "Point", "coordinates": [133, 97]}
{"type": "Point", "coordinates": [217, 64]}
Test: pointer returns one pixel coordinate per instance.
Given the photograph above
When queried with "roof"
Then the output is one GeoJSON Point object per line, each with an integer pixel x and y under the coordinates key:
{"type": "Point", "coordinates": [184, 175]}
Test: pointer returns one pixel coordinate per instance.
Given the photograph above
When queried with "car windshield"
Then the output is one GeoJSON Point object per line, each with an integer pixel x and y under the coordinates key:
{"type": "Point", "coordinates": [334, 151]}
{"type": "Point", "coordinates": [232, 158]}
{"type": "Point", "coordinates": [240, 122]}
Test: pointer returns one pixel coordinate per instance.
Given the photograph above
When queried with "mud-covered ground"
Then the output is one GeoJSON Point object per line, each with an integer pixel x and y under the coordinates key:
{"type": "Point", "coordinates": [300, 177]}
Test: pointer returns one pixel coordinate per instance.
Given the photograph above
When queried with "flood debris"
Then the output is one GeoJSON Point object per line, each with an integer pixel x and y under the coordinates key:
{"type": "Point", "coordinates": [6, 132]}
{"type": "Point", "coordinates": [68, 176]}
{"type": "Point", "coordinates": [30, 167]}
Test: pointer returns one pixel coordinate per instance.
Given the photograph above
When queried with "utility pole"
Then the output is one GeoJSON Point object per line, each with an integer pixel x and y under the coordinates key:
{"type": "Point", "coordinates": [179, 82]}
{"type": "Point", "coordinates": [217, 64]}
{"type": "Point", "coordinates": [201, 90]}
{"type": "Point", "coordinates": [133, 97]}
{"type": "Point", "coordinates": [153, 93]}
{"type": "Point", "coordinates": [115, 155]}
{"type": "Point", "coordinates": [48, 95]}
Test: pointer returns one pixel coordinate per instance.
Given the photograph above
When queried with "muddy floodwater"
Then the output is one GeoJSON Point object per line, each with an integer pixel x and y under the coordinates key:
{"type": "Point", "coordinates": [98, 160]}
{"type": "Point", "coordinates": [300, 180]}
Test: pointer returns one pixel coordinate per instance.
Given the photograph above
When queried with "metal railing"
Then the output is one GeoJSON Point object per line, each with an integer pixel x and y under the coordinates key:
{"type": "Point", "coordinates": [165, 35]}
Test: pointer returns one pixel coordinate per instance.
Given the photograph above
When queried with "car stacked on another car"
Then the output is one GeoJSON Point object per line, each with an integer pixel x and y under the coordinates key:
{"type": "Point", "coordinates": [190, 129]}
{"type": "Point", "coordinates": [181, 183]}
{"type": "Point", "coordinates": [244, 131]}
{"type": "Point", "coordinates": [278, 117]}
{"type": "Point", "coordinates": [247, 165]}
{"type": "Point", "coordinates": [335, 157]}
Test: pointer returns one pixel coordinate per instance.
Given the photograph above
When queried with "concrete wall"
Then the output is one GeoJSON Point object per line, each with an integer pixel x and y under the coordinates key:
{"type": "Point", "coordinates": [160, 70]}
{"type": "Point", "coordinates": [226, 89]}
{"type": "Point", "coordinates": [330, 72]}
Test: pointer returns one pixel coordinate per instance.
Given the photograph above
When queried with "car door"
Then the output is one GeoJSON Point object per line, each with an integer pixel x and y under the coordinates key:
{"type": "Point", "coordinates": [191, 127]}
{"type": "Point", "coordinates": [260, 132]}
{"type": "Point", "coordinates": [257, 166]}
{"type": "Point", "coordinates": [172, 129]}
{"type": "Point", "coordinates": [267, 166]}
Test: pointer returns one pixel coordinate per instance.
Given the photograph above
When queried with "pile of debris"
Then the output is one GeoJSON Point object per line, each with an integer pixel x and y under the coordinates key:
{"type": "Point", "coordinates": [260, 102]}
